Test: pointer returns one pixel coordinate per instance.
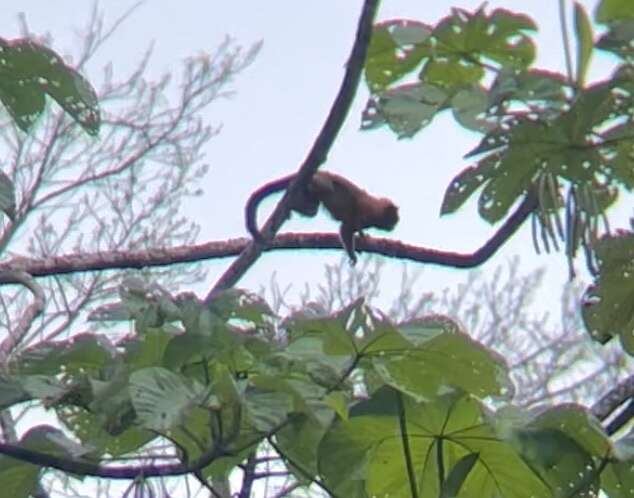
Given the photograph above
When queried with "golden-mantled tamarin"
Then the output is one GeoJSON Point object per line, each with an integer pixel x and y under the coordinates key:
{"type": "Point", "coordinates": [355, 208]}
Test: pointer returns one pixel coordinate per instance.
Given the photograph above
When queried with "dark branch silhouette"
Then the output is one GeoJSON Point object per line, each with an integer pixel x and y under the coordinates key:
{"type": "Point", "coordinates": [120, 260]}
{"type": "Point", "coordinates": [612, 401]}
{"type": "Point", "coordinates": [84, 467]}
{"type": "Point", "coordinates": [621, 419]}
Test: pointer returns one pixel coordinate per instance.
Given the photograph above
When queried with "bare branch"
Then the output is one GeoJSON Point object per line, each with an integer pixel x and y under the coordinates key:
{"type": "Point", "coordinates": [186, 254]}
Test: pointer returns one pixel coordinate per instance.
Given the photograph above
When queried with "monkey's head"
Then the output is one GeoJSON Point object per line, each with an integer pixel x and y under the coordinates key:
{"type": "Point", "coordinates": [389, 215]}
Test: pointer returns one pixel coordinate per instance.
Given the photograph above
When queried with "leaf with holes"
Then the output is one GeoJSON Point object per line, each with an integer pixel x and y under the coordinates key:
{"type": "Point", "coordinates": [608, 308]}
{"type": "Point", "coordinates": [569, 146]}
{"type": "Point", "coordinates": [30, 71]}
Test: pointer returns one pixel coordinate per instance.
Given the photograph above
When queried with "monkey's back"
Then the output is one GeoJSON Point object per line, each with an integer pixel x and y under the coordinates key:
{"type": "Point", "coordinates": [344, 200]}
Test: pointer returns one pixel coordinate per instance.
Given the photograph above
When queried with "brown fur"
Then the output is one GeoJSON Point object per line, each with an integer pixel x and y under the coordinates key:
{"type": "Point", "coordinates": [355, 208]}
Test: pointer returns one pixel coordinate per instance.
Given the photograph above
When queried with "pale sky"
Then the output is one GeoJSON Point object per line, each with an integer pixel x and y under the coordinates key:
{"type": "Point", "coordinates": [281, 103]}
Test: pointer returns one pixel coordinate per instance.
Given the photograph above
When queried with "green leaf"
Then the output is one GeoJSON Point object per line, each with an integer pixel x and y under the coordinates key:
{"type": "Point", "coordinates": [109, 399]}
{"type": "Point", "coordinates": [20, 479]}
{"type": "Point", "coordinates": [330, 335]}
{"type": "Point", "coordinates": [11, 391]}
{"type": "Point", "coordinates": [573, 146]}
{"type": "Point", "coordinates": [618, 40]}
{"type": "Point", "coordinates": [338, 401]}
{"type": "Point", "coordinates": [543, 90]}
{"type": "Point", "coordinates": [371, 442]}
{"type": "Point", "coordinates": [467, 182]}
{"type": "Point", "coordinates": [614, 10]}
{"type": "Point", "coordinates": [499, 37]}
{"type": "Point", "coordinates": [94, 430]}
{"type": "Point", "coordinates": [405, 109]}
{"type": "Point", "coordinates": [53, 441]}
{"type": "Point", "coordinates": [469, 107]}
{"type": "Point", "coordinates": [396, 48]}
{"type": "Point", "coordinates": [451, 74]}
{"type": "Point", "coordinates": [454, 56]}
{"type": "Point", "coordinates": [163, 399]}
{"type": "Point", "coordinates": [43, 387]}
{"type": "Point", "coordinates": [146, 351]}
{"type": "Point", "coordinates": [23, 102]}
{"type": "Point", "coordinates": [578, 424]}
{"type": "Point", "coordinates": [617, 480]}
{"type": "Point", "coordinates": [188, 348]}
{"type": "Point", "coordinates": [83, 352]}
{"type": "Point", "coordinates": [266, 410]}
{"type": "Point", "coordinates": [194, 435]}
{"type": "Point", "coordinates": [239, 304]}
{"type": "Point", "coordinates": [298, 441]}
{"type": "Point", "coordinates": [559, 461]}
{"type": "Point", "coordinates": [608, 308]}
{"type": "Point", "coordinates": [30, 71]}
{"type": "Point", "coordinates": [583, 30]}
{"type": "Point", "coordinates": [431, 355]}
{"type": "Point", "coordinates": [562, 444]}
{"type": "Point", "coordinates": [458, 475]}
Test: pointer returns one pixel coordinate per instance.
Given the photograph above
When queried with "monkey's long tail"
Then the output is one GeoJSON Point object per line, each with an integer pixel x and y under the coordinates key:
{"type": "Point", "coordinates": [251, 209]}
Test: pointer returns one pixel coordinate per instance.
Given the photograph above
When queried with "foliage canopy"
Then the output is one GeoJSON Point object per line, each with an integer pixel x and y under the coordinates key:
{"type": "Point", "coordinates": [352, 402]}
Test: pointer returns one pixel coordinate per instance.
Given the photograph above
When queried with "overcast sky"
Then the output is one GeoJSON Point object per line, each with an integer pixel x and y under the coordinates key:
{"type": "Point", "coordinates": [281, 102]}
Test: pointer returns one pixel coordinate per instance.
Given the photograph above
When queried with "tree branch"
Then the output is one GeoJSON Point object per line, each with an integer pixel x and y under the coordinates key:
{"type": "Point", "coordinates": [612, 400]}
{"type": "Point", "coordinates": [87, 468]}
{"type": "Point", "coordinates": [119, 260]}
{"type": "Point", "coordinates": [319, 151]}
{"type": "Point", "coordinates": [249, 476]}
{"type": "Point", "coordinates": [621, 419]}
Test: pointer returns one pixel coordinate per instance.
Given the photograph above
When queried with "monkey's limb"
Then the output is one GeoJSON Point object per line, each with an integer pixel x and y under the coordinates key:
{"type": "Point", "coordinates": [346, 234]}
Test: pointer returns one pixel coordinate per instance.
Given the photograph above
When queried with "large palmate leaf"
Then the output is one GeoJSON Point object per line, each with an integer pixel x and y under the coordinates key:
{"type": "Point", "coordinates": [393, 445]}
{"type": "Point", "coordinates": [163, 399]}
{"type": "Point", "coordinates": [417, 365]}
{"type": "Point", "coordinates": [396, 48]}
{"type": "Point", "coordinates": [451, 59]}
{"type": "Point", "coordinates": [564, 445]}
{"type": "Point", "coordinates": [583, 145]}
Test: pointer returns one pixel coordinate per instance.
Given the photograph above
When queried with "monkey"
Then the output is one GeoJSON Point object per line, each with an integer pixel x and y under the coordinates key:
{"type": "Point", "coordinates": [355, 208]}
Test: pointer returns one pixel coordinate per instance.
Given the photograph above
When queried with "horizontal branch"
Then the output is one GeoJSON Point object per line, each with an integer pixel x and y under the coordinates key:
{"type": "Point", "coordinates": [85, 467]}
{"type": "Point", "coordinates": [121, 260]}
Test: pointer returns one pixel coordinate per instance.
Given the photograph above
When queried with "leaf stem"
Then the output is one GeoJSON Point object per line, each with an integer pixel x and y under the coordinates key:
{"type": "Point", "coordinates": [440, 462]}
{"type": "Point", "coordinates": [409, 464]}
{"type": "Point", "coordinates": [566, 39]}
